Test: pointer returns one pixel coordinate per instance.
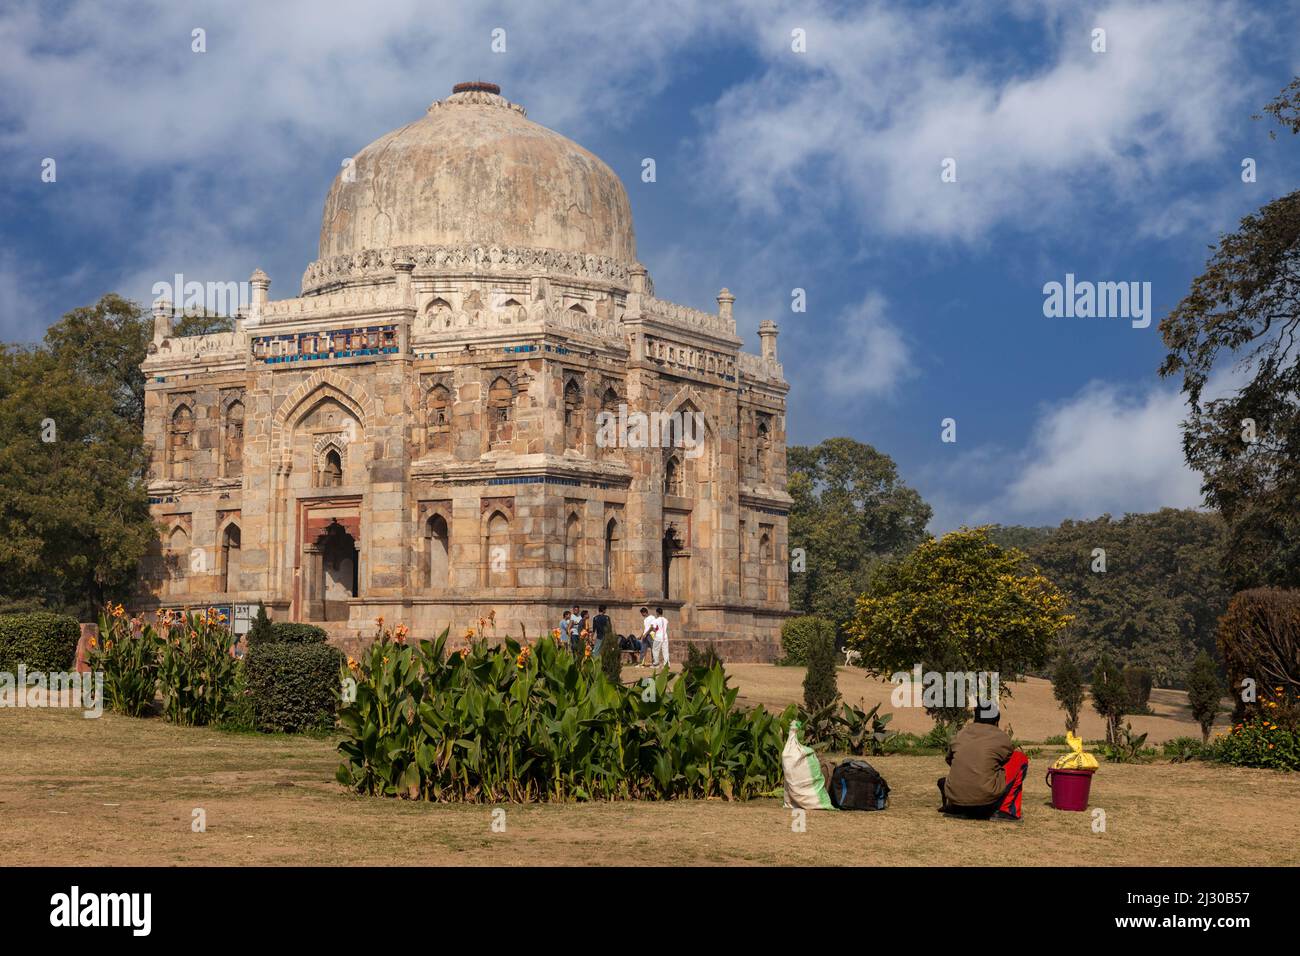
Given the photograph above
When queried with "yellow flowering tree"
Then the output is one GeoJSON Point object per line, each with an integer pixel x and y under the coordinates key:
{"type": "Point", "coordinates": [961, 600]}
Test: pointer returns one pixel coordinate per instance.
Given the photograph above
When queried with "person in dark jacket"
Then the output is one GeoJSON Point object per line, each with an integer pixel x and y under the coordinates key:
{"type": "Point", "coordinates": [988, 772]}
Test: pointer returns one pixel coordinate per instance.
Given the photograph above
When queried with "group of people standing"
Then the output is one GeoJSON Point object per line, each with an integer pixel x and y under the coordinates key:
{"type": "Point", "coordinates": [584, 635]}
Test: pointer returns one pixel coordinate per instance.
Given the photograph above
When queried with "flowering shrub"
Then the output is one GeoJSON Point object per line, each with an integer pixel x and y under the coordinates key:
{"type": "Point", "coordinates": [196, 669]}
{"type": "Point", "coordinates": [127, 653]}
{"type": "Point", "coordinates": [1259, 743]}
{"type": "Point", "coordinates": [530, 722]}
{"type": "Point", "coordinates": [186, 656]}
{"type": "Point", "coordinates": [1269, 738]}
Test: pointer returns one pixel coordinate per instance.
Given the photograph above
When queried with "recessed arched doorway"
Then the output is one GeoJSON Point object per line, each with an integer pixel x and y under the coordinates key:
{"type": "Point", "coordinates": [337, 581]}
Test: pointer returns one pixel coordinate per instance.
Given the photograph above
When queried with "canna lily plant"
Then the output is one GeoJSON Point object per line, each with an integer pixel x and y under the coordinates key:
{"type": "Point", "coordinates": [527, 722]}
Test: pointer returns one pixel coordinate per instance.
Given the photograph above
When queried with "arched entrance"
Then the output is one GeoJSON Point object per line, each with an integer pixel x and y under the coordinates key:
{"type": "Point", "coordinates": [336, 583]}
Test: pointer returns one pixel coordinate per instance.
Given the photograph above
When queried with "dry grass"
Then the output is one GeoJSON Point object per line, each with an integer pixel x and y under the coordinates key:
{"type": "Point", "coordinates": [1031, 714]}
{"type": "Point", "coordinates": [121, 791]}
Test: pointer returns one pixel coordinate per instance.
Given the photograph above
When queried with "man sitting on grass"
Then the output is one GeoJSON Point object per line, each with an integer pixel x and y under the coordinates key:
{"type": "Point", "coordinates": [988, 772]}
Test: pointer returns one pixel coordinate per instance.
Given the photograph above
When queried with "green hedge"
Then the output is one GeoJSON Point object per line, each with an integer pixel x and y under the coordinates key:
{"type": "Point", "coordinates": [287, 632]}
{"type": "Point", "coordinates": [294, 687]}
{"type": "Point", "coordinates": [797, 632]}
{"type": "Point", "coordinates": [41, 640]}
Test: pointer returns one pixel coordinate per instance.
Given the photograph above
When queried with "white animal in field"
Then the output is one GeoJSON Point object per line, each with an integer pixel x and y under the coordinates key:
{"type": "Point", "coordinates": [851, 657]}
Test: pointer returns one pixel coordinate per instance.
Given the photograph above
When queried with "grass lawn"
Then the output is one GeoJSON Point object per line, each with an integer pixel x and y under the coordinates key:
{"type": "Point", "coordinates": [121, 791]}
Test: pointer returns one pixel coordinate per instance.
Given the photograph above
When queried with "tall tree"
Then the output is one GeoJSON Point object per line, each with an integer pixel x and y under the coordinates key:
{"type": "Point", "coordinates": [850, 511]}
{"type": "Point", "coordinates": [105, 344]}
{"type": "Point", "coordinates": [1147, 588]}
{"type": "Point", "coordinates": [75, 516]}
{"type": "Point", "coordinates": [1242, 316]}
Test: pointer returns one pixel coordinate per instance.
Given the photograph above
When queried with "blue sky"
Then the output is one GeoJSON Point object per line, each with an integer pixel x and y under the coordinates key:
{"type": "Point", "coordinates": [776, 170]}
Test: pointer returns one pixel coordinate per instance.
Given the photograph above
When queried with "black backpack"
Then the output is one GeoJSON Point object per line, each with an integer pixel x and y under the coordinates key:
{"type": "Point", "coordinates": [855, 785]}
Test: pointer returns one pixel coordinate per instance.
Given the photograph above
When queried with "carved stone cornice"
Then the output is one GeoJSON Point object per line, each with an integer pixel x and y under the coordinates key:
{"type": "Point", "coordinates": [375, 264]}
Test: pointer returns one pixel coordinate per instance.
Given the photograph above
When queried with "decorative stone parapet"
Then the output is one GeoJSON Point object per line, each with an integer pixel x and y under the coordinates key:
{"type": "Point", "coordinates": [758, 368]}
{"type": "Point", "coordinates": [432, 260]}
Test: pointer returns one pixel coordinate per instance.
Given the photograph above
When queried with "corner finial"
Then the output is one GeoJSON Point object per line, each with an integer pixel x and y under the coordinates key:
{"type": "Point", "coordinates": [767, 331]}
{"type": "Point", "coordinates": [725, 301]}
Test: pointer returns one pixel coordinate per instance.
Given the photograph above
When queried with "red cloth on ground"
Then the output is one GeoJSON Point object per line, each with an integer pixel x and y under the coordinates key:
{"type": "Point", "coordinates": [1016, 767]}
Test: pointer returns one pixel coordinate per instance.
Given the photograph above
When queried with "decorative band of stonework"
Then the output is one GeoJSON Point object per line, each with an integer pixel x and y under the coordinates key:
{"type": "Point", "coordinates": [464, 94]}
{"type": "Point", "coordinates": [373, 263]}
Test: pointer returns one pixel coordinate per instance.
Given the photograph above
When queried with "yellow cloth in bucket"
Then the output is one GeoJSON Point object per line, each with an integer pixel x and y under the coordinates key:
{"type": "Point", "coordinates": [1076, 759]}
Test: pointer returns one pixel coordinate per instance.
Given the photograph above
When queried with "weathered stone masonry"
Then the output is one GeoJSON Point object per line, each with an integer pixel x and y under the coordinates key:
{"type": "Point", "coordinates": [415, 434]}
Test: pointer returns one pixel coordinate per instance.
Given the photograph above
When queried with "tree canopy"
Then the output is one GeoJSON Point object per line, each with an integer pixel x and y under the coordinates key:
{"type": "Point", "coordinates": [1240, 319]}
{"type": "Point", "coordinates": [76, 518]}
{"type": "Point", "coordinates": [1159, 597]}
{"type": "Point", "coordinates": [850, 511]}
{"type": "Point", "coordinates": [105, 343]}
{"type": "Point", "coordinates": [961, 599]}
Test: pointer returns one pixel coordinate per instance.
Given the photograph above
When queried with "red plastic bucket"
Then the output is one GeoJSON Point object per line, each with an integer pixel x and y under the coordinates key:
{"type": "Point", "coordinates": [1070, 787]}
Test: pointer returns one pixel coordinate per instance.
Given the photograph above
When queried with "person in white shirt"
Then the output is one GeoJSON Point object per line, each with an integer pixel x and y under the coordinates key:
{"type": "Point", "coordinates": [661, 638]}
{"type": "Point", "coordinates": [649, 633]}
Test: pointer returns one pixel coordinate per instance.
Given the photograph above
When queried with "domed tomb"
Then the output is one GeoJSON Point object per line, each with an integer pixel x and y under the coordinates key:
{"type": "Point", "coordinates": [474, 170]}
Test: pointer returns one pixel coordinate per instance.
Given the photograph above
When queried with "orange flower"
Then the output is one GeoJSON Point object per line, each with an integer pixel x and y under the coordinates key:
{"type": "Point", "coordinates": [93, 643]}
{"type": "Point", "coordinates": [108, 645]}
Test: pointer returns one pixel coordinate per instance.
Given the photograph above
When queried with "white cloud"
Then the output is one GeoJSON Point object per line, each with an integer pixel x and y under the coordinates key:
{"type": "Point", "coordinates": [871, 357]}
{"type": "Point", "coordinates": [1107, 448]}
{"type": "Point", "coordinates": [882, 97]}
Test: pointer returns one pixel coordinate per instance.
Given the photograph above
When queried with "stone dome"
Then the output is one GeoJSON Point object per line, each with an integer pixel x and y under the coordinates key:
{"type": "Point", "coordinates": [475, 170]}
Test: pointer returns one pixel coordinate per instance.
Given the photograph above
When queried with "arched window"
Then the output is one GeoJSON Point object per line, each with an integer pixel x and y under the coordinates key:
{"type": "Point", "coordinates": [331, 469]}
{"type": "Point", "coordinates": [232, 448]}
{"type": "Point", "coordinates": [437, 550]}
{"type": "Point", "coordinates": [765, 561]}
{"type": "Point", "coordinates": [577, 309]}
{"type": "Point", "coordinates": [438, 314]}
{"type": "Point", "coordinates": [572, 416]}
{"type": "Point", "coordinates": [512, 311]}
{"type": "Point", "coordinates": [607, 437]}
{"type": "Point", "coordinates": [501, 398]}
{"type": "Point", "coordinates": [573, 552]}
{"type": "Point", "coordinates": [497, 551]}
{"type": "Point", "coordinates": [612, 544]}
{"type": "Point", "coordinates": [673, 475]}
{"type": "Point", "coordinates": [230, 541]}
{"type": "Point", "coordinates": [764, 443]}
{"type": "Point", "coordinates": [437, 417]}
{"type": "Point", "coordinates": [178, 552]}
{"type": "Point", "coordinates": [181, 442]}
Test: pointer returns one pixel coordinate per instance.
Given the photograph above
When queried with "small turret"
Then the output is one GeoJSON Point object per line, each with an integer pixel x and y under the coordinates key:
{"type": "Point", "coordinates": [767, 331]}
{"type": "Point", "coordinates": [162, 319]}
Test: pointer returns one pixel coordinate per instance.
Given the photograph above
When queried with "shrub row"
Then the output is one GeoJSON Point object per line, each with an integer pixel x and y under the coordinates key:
{"type": "Point", "coordinates": [40, 640]}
